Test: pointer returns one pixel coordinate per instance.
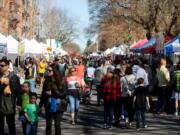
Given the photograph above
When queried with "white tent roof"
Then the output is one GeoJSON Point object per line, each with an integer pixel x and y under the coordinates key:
{"type": "Point", "coordinates": [44, 47]}
{"type": "Point", "coordinates": [2, 39]}
{"type": "Point", "coordinates": [27, 46]}
{"type": "Point", "coordinates": [119, 51]}
{"type": "Point", "coordinates": [60, 51]}
{"type": "Point", "coordinates": [112, 49]}
{"type": "Point", "coordinates": [94, 54]}
{"type": "Point", "coordinates": [12, 45]}
{"type": "Point", "coordinates": [32, 46]}
{"type": "Point", "coordinates": [108, 51]}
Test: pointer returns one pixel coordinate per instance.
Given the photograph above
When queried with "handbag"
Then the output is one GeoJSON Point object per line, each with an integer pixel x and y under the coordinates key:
{"type": "Point", "coordinates": [62, 106]}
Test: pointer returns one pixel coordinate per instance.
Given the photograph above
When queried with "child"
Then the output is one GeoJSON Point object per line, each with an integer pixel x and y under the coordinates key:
{"type": "Point", "coordinates": [140, 103]}
{"type": "Point", "coordinates": [31, 114]}
{"type": "Point", "coordinates": [24, 100]}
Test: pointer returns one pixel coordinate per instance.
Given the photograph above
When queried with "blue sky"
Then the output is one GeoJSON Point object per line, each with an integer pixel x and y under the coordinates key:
{"type": "Point", "coordinates": [78, 9]}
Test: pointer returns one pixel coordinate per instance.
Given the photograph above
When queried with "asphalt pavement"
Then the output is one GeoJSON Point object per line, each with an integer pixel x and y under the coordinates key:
{"type": "Point", "coordinates": [90, 122]}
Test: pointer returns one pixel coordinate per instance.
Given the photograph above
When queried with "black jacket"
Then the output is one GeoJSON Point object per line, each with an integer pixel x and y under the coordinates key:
{"type": "Point", "coordinates": [49, 84]}
{"type": "Point", "coordinates": [8, 103]}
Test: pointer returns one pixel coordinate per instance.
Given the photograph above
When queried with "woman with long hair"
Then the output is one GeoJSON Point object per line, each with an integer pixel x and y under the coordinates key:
{"type": "Point", "coordinates": [111, 90]}
{"type": "Point", "coordinates": [74, 83]}
{"type": "Point", "coordinates": [127, 88]}
{"type": "Point", "coordinates": [53, 93]}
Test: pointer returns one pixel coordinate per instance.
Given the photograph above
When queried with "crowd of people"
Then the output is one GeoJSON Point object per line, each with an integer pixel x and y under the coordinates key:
{"type": "Point", "coordinates": [125, 87]}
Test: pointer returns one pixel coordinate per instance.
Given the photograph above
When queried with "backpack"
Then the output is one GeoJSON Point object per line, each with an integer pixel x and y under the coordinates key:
{"type": "Point", "coordinates": [177, 81]}
{"type": "Point", "coordinates": [129, 87]}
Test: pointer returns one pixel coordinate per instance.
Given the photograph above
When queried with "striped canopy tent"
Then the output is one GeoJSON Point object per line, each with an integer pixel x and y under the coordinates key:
{"type": "Point", "coordinates": [149, 47]}
{"type": "Point", "coordinates": [136, 47]}
{"type": "Point", "coordinates": [172, 46]}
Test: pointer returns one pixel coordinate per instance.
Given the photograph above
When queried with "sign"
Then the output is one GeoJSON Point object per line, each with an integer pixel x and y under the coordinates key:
{"type": "Point", "coordinates": [58, 44]}
{"type": "Point", "coordinates": [3, 49]}
{"type": "Point", "coordinates": [20, 49]}
{"type": "Point", "coordinates": [49, 49]}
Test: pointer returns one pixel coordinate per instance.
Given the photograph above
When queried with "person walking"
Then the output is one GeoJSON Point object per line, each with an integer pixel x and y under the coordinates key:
{"type": "Point", "coordinates": [31, 114]}
{"type": "Point", "coordinates": [140, 103]}
{"type": "Point", "coordinates": [10, 89]}
{"type": "Point", "coordinates": [176, 84]}
{"type": "Point", "coordinates": [163, 77]}
{"type": "Point", "coordinates": [74, 83]}
{"type": "Point", "coordinates": [24, 100]}
{"type": "Point", "coordinates": [127, 89]}
{"type": "Point", "coordinates": [52, 96]}
{"type": "Point", "coordinates": [111, 90]}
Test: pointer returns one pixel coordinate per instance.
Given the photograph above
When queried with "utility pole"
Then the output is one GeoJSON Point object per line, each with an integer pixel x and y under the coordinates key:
{"type": "Point", "coordinates": [97, 45]}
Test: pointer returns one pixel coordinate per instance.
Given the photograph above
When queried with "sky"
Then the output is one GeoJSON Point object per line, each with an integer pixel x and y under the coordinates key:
{"type": "Point", "coordinates": [78, 9]}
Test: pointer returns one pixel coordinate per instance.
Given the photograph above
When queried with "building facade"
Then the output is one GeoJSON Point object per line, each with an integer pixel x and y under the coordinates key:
{"type": "Point", "coordinates": [18, 18]}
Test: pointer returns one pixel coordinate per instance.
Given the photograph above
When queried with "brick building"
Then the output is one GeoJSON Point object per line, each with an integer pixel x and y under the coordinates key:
{"type": "Point", "coordinates": [18, 18]}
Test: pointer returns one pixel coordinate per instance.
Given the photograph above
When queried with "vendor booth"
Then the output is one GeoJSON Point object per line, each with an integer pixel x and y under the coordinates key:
{"type": "Point", "coordinates": [136, 47]}
{"type": "Point", "coordinates": [149, 47]}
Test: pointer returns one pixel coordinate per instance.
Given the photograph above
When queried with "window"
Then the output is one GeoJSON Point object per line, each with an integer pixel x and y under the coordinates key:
{"type": "Point", "coordinates": [1, 4]}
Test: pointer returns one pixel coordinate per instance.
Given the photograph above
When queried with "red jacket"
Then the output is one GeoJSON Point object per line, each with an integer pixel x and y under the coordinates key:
{"type": "Point", "coordinates": [111, 91]}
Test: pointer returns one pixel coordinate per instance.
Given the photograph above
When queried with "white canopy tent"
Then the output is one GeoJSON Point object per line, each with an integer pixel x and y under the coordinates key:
{"type": "Point", "coordinates": [118, 51]}
{"type": "Point", "coordinates": [60, 51]}
{"type": "Point", "coordinates": [44, 47]}
{"type": "Point", "coordinates": [32, 47]}
{"type": "Point", "coordinates": [94, 54]}
{"type": "Point", "coordinates": [107, 52]}
{"type": "Point", "coordinates": [3, 39]}
{"type": "Point", "coordinates": [112, 49]}
{"type": "Point", "coordinates": [12, 45]}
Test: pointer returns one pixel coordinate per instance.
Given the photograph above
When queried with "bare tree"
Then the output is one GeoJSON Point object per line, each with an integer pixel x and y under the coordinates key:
{"type": "Point", "coordinates": [57, 25]}
{"type": "Point", "coordinates": [131, 16]}
{"type": "Point", "coordinates": [72, 47]}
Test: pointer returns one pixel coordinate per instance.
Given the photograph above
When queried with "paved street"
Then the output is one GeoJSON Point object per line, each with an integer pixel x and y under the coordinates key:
{"type": "Point", "coordinates": [91, 122]}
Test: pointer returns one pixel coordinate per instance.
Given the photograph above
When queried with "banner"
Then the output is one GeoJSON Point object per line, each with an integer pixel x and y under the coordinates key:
{"type": "Point", "coordinates": [20, 49]}
{"type": "Point", "coordinates": [3, 49]}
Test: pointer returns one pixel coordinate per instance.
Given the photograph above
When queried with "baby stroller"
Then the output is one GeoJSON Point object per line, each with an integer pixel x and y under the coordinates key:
{"type": "Point", "coordinates": [85, 95]}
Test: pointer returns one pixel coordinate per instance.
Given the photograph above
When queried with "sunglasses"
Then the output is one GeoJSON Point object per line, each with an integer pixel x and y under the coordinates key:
{"type": "Point", "coordinates": [49, 70]}
{"type": "Point", "coordinates": [2, 65]}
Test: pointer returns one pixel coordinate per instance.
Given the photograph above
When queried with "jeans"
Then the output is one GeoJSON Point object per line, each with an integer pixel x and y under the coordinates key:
{"type": "Point", "coordinates": [128, 108]}
{"type": "Point", "coordinates": [162, 99]}
{"type": "Point", "coordinates": [99, 93]}
{"type": "Point", "coordinates": [140, 114]}
{"type": "Point", "coordinates": [57, 117]}
{"type": "Point", "coordinates": [108, 112]}
{"type": "Point", "coordinates": [31, 128]}
{"type": "Point", "coordinates": [24, 127]}
{"type": "Point", "coordinates": [10, 119]}
{"type": "Point", "coordinates": [118, 109]}
{"type": "Point", "coordinates": [73, 103]}
{"type": "Point", "coordinates": [32, 83]}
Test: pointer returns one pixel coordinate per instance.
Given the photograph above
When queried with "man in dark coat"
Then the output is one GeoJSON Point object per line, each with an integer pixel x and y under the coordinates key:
{"type": "Point", "coordinates": [9, 91]}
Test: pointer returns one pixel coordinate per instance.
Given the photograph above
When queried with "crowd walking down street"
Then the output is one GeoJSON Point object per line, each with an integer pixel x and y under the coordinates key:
{"type": "Point", "coordinates": [89, 67]}
{"type": "Point", "coordinates": [82, 95]}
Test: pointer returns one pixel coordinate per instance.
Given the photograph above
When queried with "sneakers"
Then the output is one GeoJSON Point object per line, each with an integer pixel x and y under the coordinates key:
{"type": "Point", "coordinates": [176, 113]}
{"type": "Point", "coordinates": [145, 126]}
{"type": "Point", "coordinates": [110, 127]}
{"type": "Point", "coordinates": [137, 129]}
{"type": "Point", "coordinates": [73, 123]}
{"type": "Point", "coordinates": [105, 126]}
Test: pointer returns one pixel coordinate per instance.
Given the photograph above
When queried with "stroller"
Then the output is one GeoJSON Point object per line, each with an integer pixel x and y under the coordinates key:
{"type": "Point", "coordinates": [85, 95]}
